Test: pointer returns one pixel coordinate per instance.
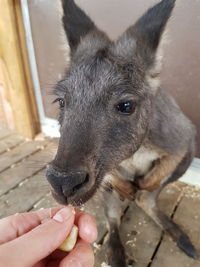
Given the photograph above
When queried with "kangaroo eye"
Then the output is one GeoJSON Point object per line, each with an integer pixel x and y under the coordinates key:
{"type": "Point", "coordinates": [61, 102]}
{"type": "Point", "coordinates": [126, 108]}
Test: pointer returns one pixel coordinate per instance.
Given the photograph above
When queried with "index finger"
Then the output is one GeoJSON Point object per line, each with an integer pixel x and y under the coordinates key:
{"type": "Point", "coordinates": [16, 225]}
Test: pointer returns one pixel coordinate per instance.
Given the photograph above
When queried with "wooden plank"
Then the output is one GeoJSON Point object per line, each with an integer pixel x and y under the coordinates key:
{"type": "Point", "coordinates": [6, 112]}
{"type": "Point", "coordinates": [100, 259]}
{"type": "Point", "coordinates": [12, 61]}
{"type": "Point", "coordinates": [5, 133]}
{"type": "Point", "coordinates": [24, 196]}
{"type": "Point", "coordinates": [139, 234]}
{"type": "Point", "coordinates": [188, 216]}
{"type": "Point", "coordinates": [141, 246]}
{"type": "Point", "coordinates": [170, 197]}
{"type": "Point", "coordinates": [46, 202]}
{"type": "Point", "coordinates": [20, 152]}
{"type": "Point", "coordinates": [10, 142]}
{"type": "Point", "coordinates": [25, 169]}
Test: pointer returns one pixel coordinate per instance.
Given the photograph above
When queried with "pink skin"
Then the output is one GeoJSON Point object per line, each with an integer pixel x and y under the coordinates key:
{"type": "Point", "coordinates": [32, 239]}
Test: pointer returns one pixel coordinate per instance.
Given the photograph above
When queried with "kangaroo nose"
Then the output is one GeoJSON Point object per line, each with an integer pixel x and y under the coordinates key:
{"type": "Point", "coordinates": [67, 184]}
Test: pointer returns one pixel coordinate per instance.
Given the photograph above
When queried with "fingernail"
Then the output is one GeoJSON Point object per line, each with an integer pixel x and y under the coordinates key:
{"type": "Point", "coordinates": [73, 263]}
{"type": "Point", "coordinates": [64, 214]}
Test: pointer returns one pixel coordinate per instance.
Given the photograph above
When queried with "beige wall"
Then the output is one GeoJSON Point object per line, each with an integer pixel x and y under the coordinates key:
{"type": "Point", "coordinates": [49, 49]}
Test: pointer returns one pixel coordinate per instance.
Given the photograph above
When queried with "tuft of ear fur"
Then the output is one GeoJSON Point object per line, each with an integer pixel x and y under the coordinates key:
{"type": "Point", "coordinates": [141, 41]}
{"type": "Point", "coordinates": [76, 23]}
{"type": "Point", "coordinates": [150, 27]}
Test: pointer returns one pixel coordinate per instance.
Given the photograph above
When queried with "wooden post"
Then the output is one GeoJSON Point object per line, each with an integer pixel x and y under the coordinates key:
{"type": "Point", "coordinates": [13, 54]}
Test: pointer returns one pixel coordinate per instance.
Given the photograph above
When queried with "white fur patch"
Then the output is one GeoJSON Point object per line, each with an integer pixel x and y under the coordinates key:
{"type": "Point", "coordinates": [140, 162]}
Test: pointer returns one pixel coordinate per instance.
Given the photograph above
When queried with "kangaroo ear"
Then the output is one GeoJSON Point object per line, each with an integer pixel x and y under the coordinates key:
{"type": "Point", "coordinates": [142, 39]}
{"type": "Point", "coordinates": [76, 23]}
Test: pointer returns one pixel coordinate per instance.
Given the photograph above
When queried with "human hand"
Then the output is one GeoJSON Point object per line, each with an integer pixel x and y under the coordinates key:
{"type": "Point", "coordinates": [32, 239]}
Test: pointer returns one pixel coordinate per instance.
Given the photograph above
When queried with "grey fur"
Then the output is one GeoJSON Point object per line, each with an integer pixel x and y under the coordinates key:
{"type": "Point", "coordinates": [95, 138]}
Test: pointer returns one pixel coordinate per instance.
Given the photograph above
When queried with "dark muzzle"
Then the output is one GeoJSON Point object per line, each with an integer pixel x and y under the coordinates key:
{"type": "Point", "coordinates": [67, 184]}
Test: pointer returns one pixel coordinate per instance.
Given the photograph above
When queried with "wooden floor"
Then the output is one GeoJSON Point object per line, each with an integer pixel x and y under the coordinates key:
{"type": "Point", "coordinates": [23, 187]}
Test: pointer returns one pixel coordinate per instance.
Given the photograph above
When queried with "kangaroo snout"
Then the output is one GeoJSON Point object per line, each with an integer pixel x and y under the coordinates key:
{"type": "Point", "coordinates": [67, 185]}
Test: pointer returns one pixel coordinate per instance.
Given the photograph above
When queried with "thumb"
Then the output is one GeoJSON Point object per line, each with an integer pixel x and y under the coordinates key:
{"type": "Point", "coordinates": [40, 242]}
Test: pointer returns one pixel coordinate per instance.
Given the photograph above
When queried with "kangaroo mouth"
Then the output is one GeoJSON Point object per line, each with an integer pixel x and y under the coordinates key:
{"type": "Point", "coordinates": [77, 198]}
{"type": "Point", "coordinates": [125, 190]}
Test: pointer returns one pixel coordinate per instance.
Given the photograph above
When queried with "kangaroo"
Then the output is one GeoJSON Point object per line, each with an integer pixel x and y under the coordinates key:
{"type": "Point", "coordinates": [119, 129]}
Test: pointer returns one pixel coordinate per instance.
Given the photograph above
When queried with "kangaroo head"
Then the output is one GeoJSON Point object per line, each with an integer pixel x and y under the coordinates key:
{"type": "Point", "coordinates": [106, 99]}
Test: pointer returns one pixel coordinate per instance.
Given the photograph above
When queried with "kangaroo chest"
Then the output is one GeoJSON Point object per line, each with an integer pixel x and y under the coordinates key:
{"type": "Point", "coordinates": [139, 164]}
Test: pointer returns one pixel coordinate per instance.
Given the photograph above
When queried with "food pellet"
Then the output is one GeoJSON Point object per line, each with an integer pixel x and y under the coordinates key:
{"type": "Point", "coordinates": [70, 241]}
